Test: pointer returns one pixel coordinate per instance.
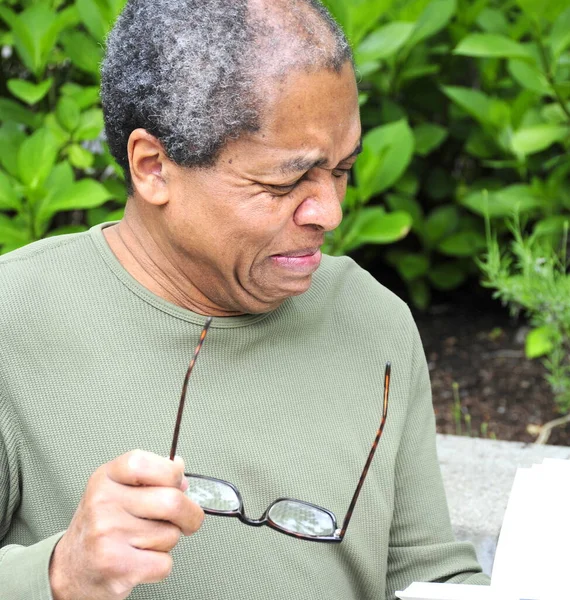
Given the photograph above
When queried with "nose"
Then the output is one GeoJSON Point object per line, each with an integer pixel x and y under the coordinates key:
{"type": "Point", "coordinates": [321, 205]}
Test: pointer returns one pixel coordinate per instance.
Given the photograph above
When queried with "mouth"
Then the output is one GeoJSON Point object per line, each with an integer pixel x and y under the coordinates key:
{"type": "Point", "coordinates": [304, 260]}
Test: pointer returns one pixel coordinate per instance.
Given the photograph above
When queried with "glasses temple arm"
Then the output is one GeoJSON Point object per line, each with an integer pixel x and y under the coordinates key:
{"type": "Point", "coordinates": [370, 455]}
{"type": "Point", "coordinates": [185, 386]}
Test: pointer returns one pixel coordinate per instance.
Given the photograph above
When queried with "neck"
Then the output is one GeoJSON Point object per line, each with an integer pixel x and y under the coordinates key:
{"type": "Point", "coordinates": [157, 269]}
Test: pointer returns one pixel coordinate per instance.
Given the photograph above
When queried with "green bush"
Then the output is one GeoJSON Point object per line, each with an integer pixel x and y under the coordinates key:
{"type": "Point", "coordinates": [465, 105]}
{"type": "Point", "coordinates": [56, 173]}
{"type": "Point", "coordinates": [532, 276]}
{"type": "Point", "coordinates": [462, 100]}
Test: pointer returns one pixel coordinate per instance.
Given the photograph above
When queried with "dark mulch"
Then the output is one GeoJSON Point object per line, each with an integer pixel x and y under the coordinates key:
{"type": "Point", "coordinates": [472, 341]}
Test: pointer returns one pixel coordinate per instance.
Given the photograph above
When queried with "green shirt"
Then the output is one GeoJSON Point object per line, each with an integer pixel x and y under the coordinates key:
{"type": "Point", "coordinates": [281, 404]}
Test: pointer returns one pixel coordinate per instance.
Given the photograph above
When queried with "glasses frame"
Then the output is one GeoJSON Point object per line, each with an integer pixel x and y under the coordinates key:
{"type": "Point", "coordinates": [265, 519]}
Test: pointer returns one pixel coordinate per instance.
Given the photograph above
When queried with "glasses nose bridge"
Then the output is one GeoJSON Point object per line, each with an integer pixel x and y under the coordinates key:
{"type": "Point", "coordinates": [252, 522]}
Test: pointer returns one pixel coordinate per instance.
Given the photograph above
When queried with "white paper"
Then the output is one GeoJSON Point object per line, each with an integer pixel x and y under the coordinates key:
{"type": "Point", "coordinates": [532, 558]}
{"type": "Point", "coordinates": [447, 591]}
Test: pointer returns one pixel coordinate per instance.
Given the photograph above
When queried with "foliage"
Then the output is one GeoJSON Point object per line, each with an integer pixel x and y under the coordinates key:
{"type": "Point", "coordinates": [466, 108]}
{"type": "Point", "coordinates": [54, 164]}
{"type": "Point", "coordinates": [533, 277]}
{"type": "Point", "coordinates": [458, 97]}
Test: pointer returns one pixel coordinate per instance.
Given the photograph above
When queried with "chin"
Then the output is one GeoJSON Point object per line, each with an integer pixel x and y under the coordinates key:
{"type": "Point", "coordinates": [274, 299]}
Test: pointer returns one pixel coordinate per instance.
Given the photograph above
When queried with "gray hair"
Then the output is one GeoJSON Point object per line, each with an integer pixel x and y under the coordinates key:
{"type": "Point", "coordinates": [191, 72]}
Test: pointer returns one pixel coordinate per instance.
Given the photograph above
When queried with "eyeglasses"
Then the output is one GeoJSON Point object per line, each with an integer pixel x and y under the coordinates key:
{"type": "Point", "coordinates": [292, 517]}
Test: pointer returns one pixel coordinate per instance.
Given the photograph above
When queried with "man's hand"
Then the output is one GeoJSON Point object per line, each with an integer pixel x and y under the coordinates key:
{"type": "Point", "coordinates": [131, 515]}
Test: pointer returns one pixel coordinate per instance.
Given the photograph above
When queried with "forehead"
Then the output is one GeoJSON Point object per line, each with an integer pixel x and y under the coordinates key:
{"type": "Point", "coordinates": [309, 98]}
{"type": "Point", "coordinates": [307, 116]}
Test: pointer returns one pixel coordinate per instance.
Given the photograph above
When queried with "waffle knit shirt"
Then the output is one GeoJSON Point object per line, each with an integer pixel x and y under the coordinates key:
{"type": "Point", "coordinates": [285, 403]}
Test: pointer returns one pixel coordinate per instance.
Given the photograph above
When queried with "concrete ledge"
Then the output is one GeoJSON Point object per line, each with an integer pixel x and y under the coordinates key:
{"type": "Point", "coordinates": [478, 475]}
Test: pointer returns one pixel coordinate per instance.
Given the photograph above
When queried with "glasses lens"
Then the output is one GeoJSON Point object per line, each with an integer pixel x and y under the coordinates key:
{"type": "Point", "coordinates": [298, 517]}
{"type": "Point", "coordinates": [212, 495]}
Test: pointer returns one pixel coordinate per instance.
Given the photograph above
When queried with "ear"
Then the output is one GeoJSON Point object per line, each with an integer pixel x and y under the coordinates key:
{"type": "Point", "coordinates": [148, 165]}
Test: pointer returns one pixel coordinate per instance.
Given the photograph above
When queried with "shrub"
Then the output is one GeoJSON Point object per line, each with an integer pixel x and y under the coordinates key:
{"type": "Point", "coordinates": [532, 276]}
{"type": "Point", "coordinates": [459, 97]}
{"type": "Point", "coordinates": [56, 173]}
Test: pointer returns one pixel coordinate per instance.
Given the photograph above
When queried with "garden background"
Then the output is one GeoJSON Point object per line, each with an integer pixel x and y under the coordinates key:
{"type": "Point", "coordinates": [462, 190]}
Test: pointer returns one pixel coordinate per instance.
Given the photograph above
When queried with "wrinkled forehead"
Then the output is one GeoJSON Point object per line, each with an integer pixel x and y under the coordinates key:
{"type": "Point", "coordinates": [307, 119]}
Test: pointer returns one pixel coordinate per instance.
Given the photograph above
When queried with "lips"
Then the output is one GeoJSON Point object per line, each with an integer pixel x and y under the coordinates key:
{"type": "Point", "coordinates": [299, 253]}
{"type": "Point", "coordinates": [303, 261]}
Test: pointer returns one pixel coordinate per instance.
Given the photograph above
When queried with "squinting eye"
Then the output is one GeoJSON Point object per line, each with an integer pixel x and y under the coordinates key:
{"type": "Point", "coordinates": [280, 190]}
{"type": "Point", "coordinates": [340, 172]}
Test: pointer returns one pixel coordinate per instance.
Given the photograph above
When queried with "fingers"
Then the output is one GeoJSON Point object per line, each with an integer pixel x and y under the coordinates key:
{"type": "Point", "coordinates": [164, 504]}
{"type": "Point", "coordinates": [138, 468]}
{"type": "Point", "coordinates": [159, 536]}
{"type": "Point", "coordinates": [131, 515]}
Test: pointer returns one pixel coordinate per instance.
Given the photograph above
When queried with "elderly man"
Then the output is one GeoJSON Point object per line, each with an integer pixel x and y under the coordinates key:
{"type": "Point", "coordinates": [236, 123]}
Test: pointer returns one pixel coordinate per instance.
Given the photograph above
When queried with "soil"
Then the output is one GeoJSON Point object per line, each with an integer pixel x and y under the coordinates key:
{"type": "Point", "coordinates": [471, 340]}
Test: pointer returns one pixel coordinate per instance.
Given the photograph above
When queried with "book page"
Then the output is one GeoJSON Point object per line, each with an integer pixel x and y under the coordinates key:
{"type": "Point", "coordinates": [531, 561]}
{"type": "Point", "coordinates": [448, 591]}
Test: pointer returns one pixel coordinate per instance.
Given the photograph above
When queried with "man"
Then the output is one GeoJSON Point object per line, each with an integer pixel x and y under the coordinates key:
{"type": "Point", "coordinates": [236, 123]}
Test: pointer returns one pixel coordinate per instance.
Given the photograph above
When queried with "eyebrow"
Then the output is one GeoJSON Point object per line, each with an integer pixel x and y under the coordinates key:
{"type": "Point", "coordinates": [300, 163]}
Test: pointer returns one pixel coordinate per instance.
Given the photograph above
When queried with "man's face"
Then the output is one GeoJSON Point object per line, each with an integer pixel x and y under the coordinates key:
{"type": "Point", "coordinates": [247, 232]}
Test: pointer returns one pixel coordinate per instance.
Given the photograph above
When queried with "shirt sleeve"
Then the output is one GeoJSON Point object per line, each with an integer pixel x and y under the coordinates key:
{"type": "Point", "coordinates": [24, 570]}
{"type": "Point", "coordinates": [422, 544]}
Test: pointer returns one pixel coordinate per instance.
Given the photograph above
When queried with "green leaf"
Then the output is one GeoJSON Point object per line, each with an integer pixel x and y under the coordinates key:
{"type": "Point", "coordinates": [59, 133]}
{"type": "Point", "coordinates": [539, 341]}
{"type": "Point", "coordinates": [358, 17]}
{"type": "Point", "coordinates": [35, 32]}
{"type": "Point", "coordinates": [462, 243]}
{"type": "Point", "coordinates": [411, 266]}
{"type": "Point", "coordinates": [11, 138]}
{"type": "Point", "coordinates": [79, 157]}
{"type": "Point", "coordinates": [543, 9]}
{"type": "Point", "coordinates": [419, 293]}
{"type": "Point", "coordinates": [399, 202]}
{"type": "Point", "coordinates": [493, 21]}
{"type": "Point", "coordinates": [490, 45]}
{"type": "Point", "coordinates": [553, 113]}
{"type": "Point", "coordinates": [433, 19]}
{"type": "Point", "coordinates": [447, 276]}
{"type": "Point", "coordinates": [83, 51]}
{"type": "Point", "coordinates": [81, 195]}
{"type": "Point", "coordinates": [408, 183]}
{"type": "Point", "coordinates": [530, 140]}
{"type": "Point", "coordinates": [12, 111]}
{"type": "Point", "coordinates": [8, 198]}
{"type": "Point", "coordinates": [36, 158]}
{"type": "Point", "coordinates": [530, 77]}
{"type": "Point", "coordinates": [96, 16]}
{"type": "Point", "coordinates": [67, 113]}
{"type": "Point", "coordinates": [384, 42]}
{"type": "Point", "coordinates": [440, 223]}
{"type": "Point", "coordinates": [30, 93]}
{"type": "Point", "coordinates": [417, 71]}
{"type": "Point", "coordinates": [23, 39]}
{"type": "Point", "coordinates": [90, 125]}
{"type": "Point", "coordinates": [559, 38]}
{"type": "Point", "coordinates": [84, 96]}
{"type": "Point", "coordinates": [116, 6]}
{"type": "Point", "coordinates": [552, 226]}
{"type": "Point", "coordinates": [489, 111]}
{"type": "Point", "coordinates": [374, 226]}
{"type": "Point", "coordinates": [480, 144]}
{"type": "Point", "coordinates": [502, 203]}
{"type": "Point", "coordinates": [429, 137]}
{"type": "Point", "coordinates": [387, 152]}
{"type": "Point", "coordinates": [11, 232]}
